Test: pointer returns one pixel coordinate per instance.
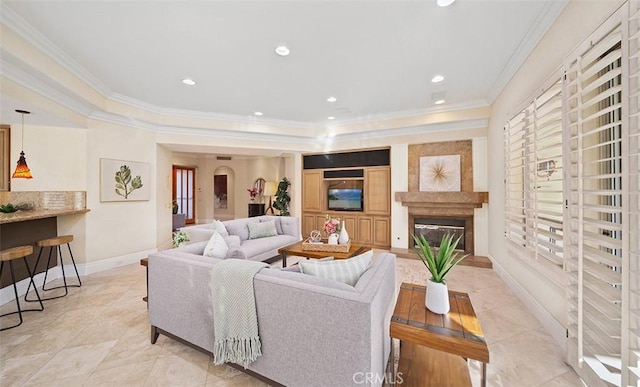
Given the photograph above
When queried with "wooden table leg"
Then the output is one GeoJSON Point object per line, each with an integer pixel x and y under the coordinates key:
{"type": "Point", "coordinates": [284, 259]}
{"type": "Point", "coordinates": [483, 381]}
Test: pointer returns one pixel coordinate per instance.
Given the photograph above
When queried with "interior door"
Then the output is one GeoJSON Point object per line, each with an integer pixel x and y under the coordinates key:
{"type": "Point", "coordinates": [184, 192]}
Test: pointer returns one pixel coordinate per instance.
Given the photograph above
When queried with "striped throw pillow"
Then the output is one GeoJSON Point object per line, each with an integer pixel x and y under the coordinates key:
{"type": "Point", "coordinates": [347, 271]}
{"type": "Point", "coordinates": [217, 247]}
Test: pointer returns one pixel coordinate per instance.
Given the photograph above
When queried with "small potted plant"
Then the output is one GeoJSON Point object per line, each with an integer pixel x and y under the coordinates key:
{"type": "Point", "coordinates": [179, 238]}
{"type": "Point", "coordinates": [282, 197]}
{"type": "Point", "coordinates": [439, 265]}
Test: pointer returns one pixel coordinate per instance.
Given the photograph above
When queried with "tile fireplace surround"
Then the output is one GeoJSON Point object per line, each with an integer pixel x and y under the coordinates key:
{"type": "Point", "coordinates": [443, 205]}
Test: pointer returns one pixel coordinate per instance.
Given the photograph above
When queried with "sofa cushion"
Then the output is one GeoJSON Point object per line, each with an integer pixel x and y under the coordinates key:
{"type": "Point", "coordinates": [239, 227]}
{"type": "Point", "coordinates": [193, 248]}
{"type": "Point", "coordinates": [275, 219]}
{"type": "Point", "coordinates": [232, 240]}
{"type": "Point", "coordinates": [219, 227]}
{"type": "Point", "coordinates": [262, 230]}
{"type": "Point", "coordinates": [216, 247]}
{"type": "Point", "coordinates": [289, 225]}
{"type": "Point", "coordinates": [311, 280]}
{"type": "Point", "coordinates": [347, 271]}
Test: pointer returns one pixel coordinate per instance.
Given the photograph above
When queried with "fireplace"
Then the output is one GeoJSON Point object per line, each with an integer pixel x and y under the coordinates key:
{"type": "Point", "coordinates": [433, 230]}
{"type": "Point", "coordinates": [426, 223]}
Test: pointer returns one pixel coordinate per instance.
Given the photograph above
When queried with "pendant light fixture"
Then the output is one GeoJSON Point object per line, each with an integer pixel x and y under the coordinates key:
{"type": "Point", "coordinates": [22, 169]}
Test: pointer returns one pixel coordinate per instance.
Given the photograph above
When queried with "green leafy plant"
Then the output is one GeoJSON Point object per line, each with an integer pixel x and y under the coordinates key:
{"type": "Point", "coordinates": [179, 238]}
{"type": "Point", "coordinates": [443, 261]}
{"type": "Point", "coordinates": [123, 179]}
{"type": "Point", "coordinates": [174, 207]}
{"type": "Point", "coordinates": [282, 197]}
{"type": "Point", "coordinates": [7, 208]}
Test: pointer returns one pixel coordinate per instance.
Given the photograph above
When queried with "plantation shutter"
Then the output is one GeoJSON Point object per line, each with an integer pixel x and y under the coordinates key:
{"type": "Point", "coordinates": [595, 217]}
{"type": "Point", "coordinates": [534, 184]}
{"type": "Point", "coordinates": [631, 332]}
{"type": "Point", "coordinates": [515, 137]}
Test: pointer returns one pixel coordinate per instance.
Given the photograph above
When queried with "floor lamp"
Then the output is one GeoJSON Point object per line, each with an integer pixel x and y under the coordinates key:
{"type": "Point", "coordinates": [270, 190]}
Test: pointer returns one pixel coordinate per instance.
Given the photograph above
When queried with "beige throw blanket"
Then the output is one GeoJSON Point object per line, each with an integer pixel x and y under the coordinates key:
{"type": "Point", "coordinates": [234, 311]}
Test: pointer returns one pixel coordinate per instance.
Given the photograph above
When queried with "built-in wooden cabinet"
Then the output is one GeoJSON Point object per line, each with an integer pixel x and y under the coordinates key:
{"type": "Point", "coordinates": [312, 192]}
{"type": "Point", "coordinates": [372, 225]}
{"type": "Point", "coordinates": [377, 188]}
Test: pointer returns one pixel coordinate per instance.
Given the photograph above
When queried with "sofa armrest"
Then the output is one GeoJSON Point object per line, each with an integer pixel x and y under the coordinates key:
{"type": "Point", "coordinates": [198, 233]}
{"type": "Point", "coordinates": [180, 299]}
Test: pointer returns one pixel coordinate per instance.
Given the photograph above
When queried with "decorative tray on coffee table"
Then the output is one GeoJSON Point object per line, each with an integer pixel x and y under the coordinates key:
{"type": "Point", "coordinates": [324, 246]}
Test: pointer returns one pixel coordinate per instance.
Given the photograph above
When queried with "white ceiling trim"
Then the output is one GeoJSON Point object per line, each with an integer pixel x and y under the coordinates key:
{"type": "Point", "coordinates": [28, 81]}
{"type": "Point", "coordinates": [544, 20]}
{"type": "Point", "coordinates": [12, 20]}
{"type": "Point", "coordinates": [414, 130]}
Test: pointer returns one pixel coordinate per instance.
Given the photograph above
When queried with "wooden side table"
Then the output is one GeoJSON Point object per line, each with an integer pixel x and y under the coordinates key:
{"type": "Point", "coordinates": [145, 262]}
{"type": "Point", "coordinates": [457, 332]}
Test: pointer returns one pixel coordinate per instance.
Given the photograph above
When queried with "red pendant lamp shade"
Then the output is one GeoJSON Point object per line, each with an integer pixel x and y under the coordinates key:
{"type": "Point", "coordinates": [22, 169]}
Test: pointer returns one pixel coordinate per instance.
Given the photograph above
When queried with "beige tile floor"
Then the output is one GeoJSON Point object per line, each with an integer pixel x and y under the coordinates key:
{"type": "Point", "coordinates": [99, 335]}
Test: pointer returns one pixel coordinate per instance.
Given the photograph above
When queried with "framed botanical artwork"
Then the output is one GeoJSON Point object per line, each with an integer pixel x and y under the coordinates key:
{"type": "Point", "coordinates": [124, 181]}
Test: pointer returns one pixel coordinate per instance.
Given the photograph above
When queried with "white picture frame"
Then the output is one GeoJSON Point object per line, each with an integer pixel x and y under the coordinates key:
{"type": "Point", "coordinates": [135, 187]}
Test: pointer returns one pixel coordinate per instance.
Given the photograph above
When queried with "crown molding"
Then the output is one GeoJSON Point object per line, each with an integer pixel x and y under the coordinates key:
{"type": "Point", "coordinates": [414, 130]}
{"type": "Point", "coordinates": [39, 86]}
{"type": "Point", "coordinates": [12, 20]}
{"type": "Point", "coordinates": [479, 103]}
{"type": "Point", "coordinates": [541, 24]}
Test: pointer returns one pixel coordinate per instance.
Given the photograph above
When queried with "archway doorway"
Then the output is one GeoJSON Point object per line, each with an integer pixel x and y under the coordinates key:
{"type": "Point", "coordinates": [223, 193]}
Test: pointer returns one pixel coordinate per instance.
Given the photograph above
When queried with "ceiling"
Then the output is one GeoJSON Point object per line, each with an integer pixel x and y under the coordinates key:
{"type": "Point", "coordinates": [377, 58]}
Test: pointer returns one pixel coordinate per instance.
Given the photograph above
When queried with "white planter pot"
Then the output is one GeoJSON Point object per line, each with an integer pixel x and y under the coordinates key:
{"type": "Point", "coordinates": [333, 239]}
{"type": "Point", "coordinates": [437, 299]}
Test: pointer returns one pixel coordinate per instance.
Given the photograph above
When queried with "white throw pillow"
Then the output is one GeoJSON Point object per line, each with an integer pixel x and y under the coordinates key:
{"type": "Point", "coordinates": [347, 271]}
{"type": "Point", "coordinates": [219, 227]}
{"type": "Point", "coordinates": [216, 247]}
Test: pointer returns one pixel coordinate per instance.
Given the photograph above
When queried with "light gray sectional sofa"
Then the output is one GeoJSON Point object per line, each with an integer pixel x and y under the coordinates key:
{"type": "Point", "coordinates": [261, 249]}
{"type": "Point", "coordinates": [314, 331]}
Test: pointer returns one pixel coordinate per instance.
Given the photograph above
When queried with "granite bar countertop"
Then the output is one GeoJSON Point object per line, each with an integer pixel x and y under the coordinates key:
{"type": "Point", "coordinates": [23, 215]}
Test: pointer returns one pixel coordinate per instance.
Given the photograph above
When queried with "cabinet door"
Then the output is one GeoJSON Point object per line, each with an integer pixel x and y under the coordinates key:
{"type": "Point", "coordinates": [365, 230]}
{"type": "Point", "coordinates": [320, 224]}
{"type": "Point", "coordinates": [381, 232]}
{"type": "Point", "coordinates": [377, 191]}
{"type": "Point", "coordinates": [308, 224]}
{"type": "Point", "coordinates": [312, 190]}
{"type": "Point", "coordinates": [350, 223]}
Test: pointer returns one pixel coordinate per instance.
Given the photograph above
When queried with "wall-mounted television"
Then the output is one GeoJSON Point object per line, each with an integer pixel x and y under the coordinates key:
{"type": "Point", "coordinates": [344, 199]}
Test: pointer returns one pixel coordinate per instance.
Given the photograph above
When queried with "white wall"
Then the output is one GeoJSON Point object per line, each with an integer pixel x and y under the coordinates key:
{"type": "Point", "coordinates": [56, 156]}
{"type": "Point", "coordinates": [575, 23]}
{"type": "Point", "coordinates": [121, 230]}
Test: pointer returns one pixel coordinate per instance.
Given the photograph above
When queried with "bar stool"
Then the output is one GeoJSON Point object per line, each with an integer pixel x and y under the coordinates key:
{"type": "Point", "coordinates": [51, 243]}
{"type": "Point", "coordinates": [10, 255]}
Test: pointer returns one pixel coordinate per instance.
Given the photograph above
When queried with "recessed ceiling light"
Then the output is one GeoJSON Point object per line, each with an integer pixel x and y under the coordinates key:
{"type": "Point", "coordinates": [332, 99]}
{"type": "Point", "coordinates": [282, 50]}
{"type": "Point", "coordinates": [439, 102]}
{"type": "Point", "coordinates": [257, 113]}
{"type": "Point", "coordinates": [189, 81]}
{"type": "Point", "coordinates": [445, 3]}
{"type": "Point", "coordinates": [331, 118]}
{"type": "Point", "coordinates": [437, 78]}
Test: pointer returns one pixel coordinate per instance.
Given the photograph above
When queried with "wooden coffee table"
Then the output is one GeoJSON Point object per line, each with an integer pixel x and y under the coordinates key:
{"type": "Point", "coordinates": [457, 332]}
{"type": "Point", "coordinates": [296, 249]}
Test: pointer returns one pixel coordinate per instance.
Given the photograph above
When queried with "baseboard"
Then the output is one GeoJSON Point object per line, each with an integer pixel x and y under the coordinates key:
{"type": "Point", "coordinates": [7, 293]}
{"type": "Point", "coordinates": [111, 263]}
{"type": "Point", "coordinates": [551, 325]}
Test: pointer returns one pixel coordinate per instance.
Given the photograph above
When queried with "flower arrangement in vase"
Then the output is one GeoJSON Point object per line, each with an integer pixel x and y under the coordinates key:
{"type": "Point", "coordinates": [253, 192]}
{"type": "Point", "coordinates": [332, 228]}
